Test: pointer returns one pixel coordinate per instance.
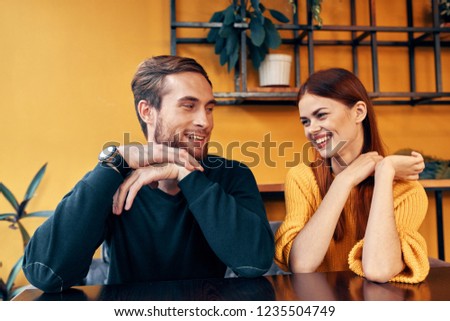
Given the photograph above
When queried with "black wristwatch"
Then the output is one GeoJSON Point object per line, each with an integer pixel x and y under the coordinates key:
{"type": "Point", "coordinates": [111, 156]}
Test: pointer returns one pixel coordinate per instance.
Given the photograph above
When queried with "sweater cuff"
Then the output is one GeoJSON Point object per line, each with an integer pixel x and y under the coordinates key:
{"type": "Point", "coordinates": [194, 184]}
{"type": "Point", "coordinates": [104, 178]}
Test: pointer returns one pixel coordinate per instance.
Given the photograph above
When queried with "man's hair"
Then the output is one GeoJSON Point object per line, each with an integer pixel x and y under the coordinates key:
{"type": "Point", "coordinates": [148, 81]}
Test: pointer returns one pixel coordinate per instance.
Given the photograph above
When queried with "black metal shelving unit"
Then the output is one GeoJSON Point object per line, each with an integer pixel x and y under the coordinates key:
{"type": "Point", "coordinates": [361, 36]}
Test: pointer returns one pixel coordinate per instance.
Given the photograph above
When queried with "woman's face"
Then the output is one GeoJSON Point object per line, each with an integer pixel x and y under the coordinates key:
{"type": "Point", "coordinates": [333, 128]}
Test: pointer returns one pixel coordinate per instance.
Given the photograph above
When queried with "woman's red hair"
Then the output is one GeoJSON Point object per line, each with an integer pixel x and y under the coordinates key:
{"type": "Point", "coordinates": [343, 86]}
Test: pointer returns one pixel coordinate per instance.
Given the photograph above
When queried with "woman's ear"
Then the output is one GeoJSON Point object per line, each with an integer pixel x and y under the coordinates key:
{"type": "Point", "coordinates": [360, 109]}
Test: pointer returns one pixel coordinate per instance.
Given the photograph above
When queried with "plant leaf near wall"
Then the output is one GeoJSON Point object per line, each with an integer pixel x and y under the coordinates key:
{"type": "Point", "coordinates": [7, 290]}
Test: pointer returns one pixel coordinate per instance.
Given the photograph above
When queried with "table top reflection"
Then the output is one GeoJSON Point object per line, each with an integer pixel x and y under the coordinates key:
{"type": "Point", "coordinates": [331, 286]}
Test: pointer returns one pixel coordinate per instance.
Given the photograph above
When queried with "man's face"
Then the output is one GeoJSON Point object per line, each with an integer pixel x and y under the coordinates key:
{"type": "Point", "coordinates": [185, 119]}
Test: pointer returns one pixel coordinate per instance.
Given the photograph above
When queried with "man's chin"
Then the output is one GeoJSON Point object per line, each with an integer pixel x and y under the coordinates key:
{"type": "Point", "coordinates": [197, 153]}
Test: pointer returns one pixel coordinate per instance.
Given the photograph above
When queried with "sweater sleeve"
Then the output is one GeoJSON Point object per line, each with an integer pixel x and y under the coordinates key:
{"type": "Point", "coordinates": [59, 254]}
{"type": "Point", "coordinates": [410, 207]}
{"type": "Point", "coordinates": [233, 219]}
{"type": "Point", "coordinates": [302, 198]}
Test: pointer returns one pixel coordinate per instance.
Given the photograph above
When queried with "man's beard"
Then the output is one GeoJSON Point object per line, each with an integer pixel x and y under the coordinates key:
{"type": "Point", "coordinates": [174, 140]}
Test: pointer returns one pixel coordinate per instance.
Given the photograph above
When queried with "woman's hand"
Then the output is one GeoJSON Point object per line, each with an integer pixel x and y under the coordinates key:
{"type": "Point", "coordinates": [404, 167]}
{"type": "Point", "coordinates": [361, 168]}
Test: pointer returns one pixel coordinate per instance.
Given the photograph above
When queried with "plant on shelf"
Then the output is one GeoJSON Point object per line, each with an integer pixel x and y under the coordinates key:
{"type": "Point", "coordinates": [444, 11]}
{"type": "Point", "coordinates": [8, 289]}
{"type": "Point", "coordinates": [261, 34]}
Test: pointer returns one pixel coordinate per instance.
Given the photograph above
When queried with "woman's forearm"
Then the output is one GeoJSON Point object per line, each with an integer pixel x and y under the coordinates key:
{"type": "Point", "coordinates": [312, 242]}
{"type": "Point", "coordinates": [382, 255]}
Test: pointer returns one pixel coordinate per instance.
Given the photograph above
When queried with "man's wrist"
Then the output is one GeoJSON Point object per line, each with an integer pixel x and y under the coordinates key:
{"type": "Point", "coordinates": [182, 173]}
{"type": "Point", "coordinates": [112, 157]}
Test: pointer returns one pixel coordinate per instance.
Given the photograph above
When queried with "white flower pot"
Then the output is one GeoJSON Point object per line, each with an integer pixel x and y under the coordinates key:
{"type": "Point", "coordinates": [275, 70]}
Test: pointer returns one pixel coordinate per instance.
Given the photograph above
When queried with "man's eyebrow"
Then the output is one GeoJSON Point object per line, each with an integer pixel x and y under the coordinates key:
{"type": "Point", "coordinates": [195, 100]}
{"type": "Point", "coordinates": [189, 98]}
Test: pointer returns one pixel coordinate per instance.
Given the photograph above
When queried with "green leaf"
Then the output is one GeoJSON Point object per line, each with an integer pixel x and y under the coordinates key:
{"type": "Point", "coordinates": [257, 55]}
{"type": "Point", "coordinates": [257, 32]}
{"type": "Point", "coordinates": [13, 274]}
{"type": "Point", "coordinates": [229, 15]}
{"type": "Point", "coordinates": [233, 59]}
{"type": "Point", "coordinates": [212, 35]}
{"type": "Point", "coordinates": [279, 16]}
{"type": "Point", "coordinates": [24, 233]}
{"type": "Point", "coordinates": [40, 214]}
{"type": "Point", "coordinates": [217, 17]}
{"type": "Point", "coordinates": [9, 196]}
{"type": "Point", "coordinates": [21, 211]}
{"type": "Point", "coordinates": [273, 39]}
{"type": "Point", "coordinates": [220, 44]}
{"type": "Point", "coordinates": [232, 42]}
{"type": "Point", "coordinates": [225, 31]}
{"type": "Point", "coordinates": [16, 291]}
{"type": "Point", "coordinates": [35, 182]}
{"type": "Point", "coordinates": [4, 217]}
{"type": "Point", "coordinates": [255, 4]}
{"type": "Point", "coordinates": [262, 8]}
{"type": "Point", "coordinates": [316, 8]}
{"type": "Point", "coordinates": [3, 292]}
{"type": "Point", "coordinates": [258, 16]}
{"type": "Point", "coordinates": [223, 57]}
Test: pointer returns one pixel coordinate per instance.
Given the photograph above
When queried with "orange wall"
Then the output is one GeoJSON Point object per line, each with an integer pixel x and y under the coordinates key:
{"type": "Point", "coordinates": [66, 67]}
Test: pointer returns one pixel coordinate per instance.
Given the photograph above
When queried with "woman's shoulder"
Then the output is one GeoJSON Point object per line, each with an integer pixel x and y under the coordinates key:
{"type": "Point", "coordinates": [301, 176]}
{"type": "Point", "coordinates": [301, 171]}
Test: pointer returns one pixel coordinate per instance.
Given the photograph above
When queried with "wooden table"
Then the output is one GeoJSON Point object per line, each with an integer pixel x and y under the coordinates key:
{"type": "Point", "coordinates": [331, 286]}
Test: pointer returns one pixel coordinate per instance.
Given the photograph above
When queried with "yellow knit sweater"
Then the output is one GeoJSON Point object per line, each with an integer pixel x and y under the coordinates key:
{"type": "Point", "coordinates": [303, 199]}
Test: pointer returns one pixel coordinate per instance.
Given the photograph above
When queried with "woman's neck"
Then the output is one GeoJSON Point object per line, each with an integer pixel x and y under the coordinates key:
{"type": "Point", "coordinates": [346, 156]}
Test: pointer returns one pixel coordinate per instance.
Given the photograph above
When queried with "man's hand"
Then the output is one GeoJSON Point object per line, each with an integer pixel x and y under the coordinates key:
{"type": "Point", "coordinates": [405, 167]}
{"type": "Point", "coordinates": [150, 175]}
{"type": "Point", "coordinates": [139, 156]}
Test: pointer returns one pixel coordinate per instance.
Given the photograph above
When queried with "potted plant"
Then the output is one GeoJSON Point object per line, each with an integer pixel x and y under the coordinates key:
{"type": "Point", "coordinates": [8, 290]}
{"type": "Point", "coordinates": [261, 34]}
{"type": "Point", "coordinates": [444, 12]}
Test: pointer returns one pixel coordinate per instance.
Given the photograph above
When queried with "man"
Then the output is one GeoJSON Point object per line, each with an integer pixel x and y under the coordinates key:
{"type": "Point", "coordinates": [166, 210]}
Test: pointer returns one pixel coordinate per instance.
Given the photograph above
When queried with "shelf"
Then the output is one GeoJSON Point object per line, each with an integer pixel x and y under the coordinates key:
{"type": "Point", "coordinates": [303, 36]}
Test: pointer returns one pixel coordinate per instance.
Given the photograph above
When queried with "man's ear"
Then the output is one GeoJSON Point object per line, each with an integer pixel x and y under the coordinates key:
{"type": "Point", "coordinates": [146, 112]}
{"type": "Point", "coordinates": [360, 110]}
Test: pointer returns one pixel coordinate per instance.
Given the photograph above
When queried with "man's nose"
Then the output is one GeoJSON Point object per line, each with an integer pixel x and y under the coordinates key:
{"type": "Point", "coordinates": [201, 118]}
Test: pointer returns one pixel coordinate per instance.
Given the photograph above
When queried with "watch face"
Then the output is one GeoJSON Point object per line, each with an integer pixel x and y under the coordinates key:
{"type": "Point", "coordinates": [107, 153]}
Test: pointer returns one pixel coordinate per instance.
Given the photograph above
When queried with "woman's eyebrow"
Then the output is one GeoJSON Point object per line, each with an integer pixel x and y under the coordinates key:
{"type": "Point", "coordinates": [318, 111]}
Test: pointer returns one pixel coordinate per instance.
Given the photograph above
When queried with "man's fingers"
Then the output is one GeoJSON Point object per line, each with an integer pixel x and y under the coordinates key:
{"type": "Point", "coordinates": [164, 154]}
{"type": "Point", "coordinates": [122, 192]}
{"type": "Point", "coordinates": [131, 195]}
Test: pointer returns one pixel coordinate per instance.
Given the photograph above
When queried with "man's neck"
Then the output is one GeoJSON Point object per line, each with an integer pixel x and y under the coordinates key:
{"type": "Point", "coordinates": [169, 186]}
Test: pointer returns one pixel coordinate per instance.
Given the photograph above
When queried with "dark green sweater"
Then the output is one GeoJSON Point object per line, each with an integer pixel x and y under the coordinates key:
{"type": "Point", "coordinates": [216, 220]}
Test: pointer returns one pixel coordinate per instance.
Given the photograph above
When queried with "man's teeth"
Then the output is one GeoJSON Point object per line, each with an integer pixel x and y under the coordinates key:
{"type": "Point", "coordinates": [195, 137]}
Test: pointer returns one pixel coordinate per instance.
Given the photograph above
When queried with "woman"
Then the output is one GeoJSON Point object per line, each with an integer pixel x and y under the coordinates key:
{"type": "Point", "coordinates": [353, 207]}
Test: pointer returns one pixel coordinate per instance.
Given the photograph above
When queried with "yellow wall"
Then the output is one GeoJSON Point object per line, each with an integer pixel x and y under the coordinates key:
{"type": "Point", "coordinates": [66, 66]}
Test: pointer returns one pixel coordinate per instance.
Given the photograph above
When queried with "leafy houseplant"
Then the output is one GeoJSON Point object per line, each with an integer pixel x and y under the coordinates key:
{"type": "Point", "coordinates": [261, 35]}
{"type": "Point", "coordinates": [444, 11]}
{"type": "Point", "coordinates": [7, 290]}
